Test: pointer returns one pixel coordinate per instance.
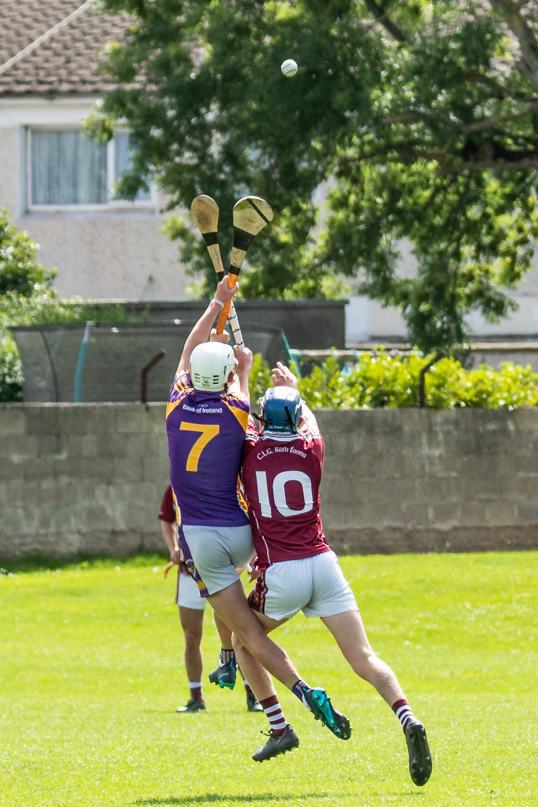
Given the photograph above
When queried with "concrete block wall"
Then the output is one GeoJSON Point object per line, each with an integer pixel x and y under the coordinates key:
{"type": "Point", "coordinates": [411, 480]}
{"type": "Point", "coordinates": [81, 478]}
{"type": "Point", "coordinates": [88, 478]}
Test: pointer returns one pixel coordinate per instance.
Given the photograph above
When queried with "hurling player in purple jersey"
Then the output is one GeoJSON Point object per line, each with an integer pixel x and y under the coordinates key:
{"type": "Point", "coordinates": [206, 421]}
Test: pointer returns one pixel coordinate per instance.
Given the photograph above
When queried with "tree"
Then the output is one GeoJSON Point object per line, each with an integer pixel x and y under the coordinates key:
{"type": "Point", "coordinates": [423, 116]}
{"type": "Point", "coordinates": [27, 298]}
{"type": "Point", "coordinates": [19, 271]}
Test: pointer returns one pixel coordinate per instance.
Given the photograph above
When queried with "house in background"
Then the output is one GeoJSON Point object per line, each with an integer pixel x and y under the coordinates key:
{"type": "Point", "coordinates": [55, 182]}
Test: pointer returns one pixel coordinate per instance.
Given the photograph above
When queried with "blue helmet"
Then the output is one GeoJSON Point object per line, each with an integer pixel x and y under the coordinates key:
{"type": "Point", "coordinates": [281, 410]}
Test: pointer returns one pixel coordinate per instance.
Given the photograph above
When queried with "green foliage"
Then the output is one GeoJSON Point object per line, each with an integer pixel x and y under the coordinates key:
{"type": "Point", "coordinates": [260, 378]}
{"type": "Point", "coordinates": [380, 380]}
{"type": "Point", "coordinates": [10, 371]}
{"type": "Point", "coordinates": [421, 116]}
{"type": "Point", "coordinates": [19, 271]}
{"type": "Point", "coordinates": [26, 298]}
{"type": "Point", "coordinates": [88, 710]}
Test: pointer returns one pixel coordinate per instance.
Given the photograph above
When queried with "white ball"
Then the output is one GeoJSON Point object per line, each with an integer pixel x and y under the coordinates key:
{"type": "Point", "coordinates": [289, 67]}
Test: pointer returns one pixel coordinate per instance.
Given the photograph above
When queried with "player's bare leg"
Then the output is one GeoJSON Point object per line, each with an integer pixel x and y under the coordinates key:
{"type": "Point", "coordinates": [225, 674]}
{"type": "Point", "coordinates": [261, 681]}
{"type": "Point", "coordinates": [282, 737]}
{"type": "Point", "coordinates": [192, 623]}
{"type": "Point", "coordinates": [231, 606]}
{"type": "Point", "coordinates": [348, 630]}
{"type": "Point", "coordinates": [314, 699]}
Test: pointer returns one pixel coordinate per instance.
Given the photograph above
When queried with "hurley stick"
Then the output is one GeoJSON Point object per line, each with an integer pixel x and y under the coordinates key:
{"type": "Point", "coordinates": [205, 212]}
{"type": "Point", "coordinates": [251, 214]}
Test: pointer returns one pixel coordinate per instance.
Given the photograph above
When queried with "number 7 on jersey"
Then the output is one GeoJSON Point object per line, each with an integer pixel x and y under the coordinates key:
{"type": "Point", "coordinates": [207, 434]}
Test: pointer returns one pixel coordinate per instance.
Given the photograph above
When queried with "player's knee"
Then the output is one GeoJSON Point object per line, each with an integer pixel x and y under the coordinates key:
{"type": "Point", "coordinates": [365, 664]}
{"type": "Point", "coordinates": [237, 644]}
{"type": "Point", "coordinates": [192, 636]}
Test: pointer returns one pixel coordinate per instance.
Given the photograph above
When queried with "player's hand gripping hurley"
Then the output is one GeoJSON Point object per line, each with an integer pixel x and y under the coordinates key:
{"type": "Point", "coordinates": [205, 212]}
{"type": "Point", "coordinates": [251, 214]}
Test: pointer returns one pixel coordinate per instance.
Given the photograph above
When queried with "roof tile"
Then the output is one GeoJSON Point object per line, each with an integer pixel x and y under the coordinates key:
{"type": "Point", "coordinates": [66, 64]}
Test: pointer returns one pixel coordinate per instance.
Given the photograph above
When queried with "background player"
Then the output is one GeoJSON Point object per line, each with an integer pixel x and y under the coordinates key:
{"type": "Point", "coordinates": [206, 420]}
{"type": "Point", "coordinates": [281, 474]}
{"type": "Point", "coordinates": [191, 614]}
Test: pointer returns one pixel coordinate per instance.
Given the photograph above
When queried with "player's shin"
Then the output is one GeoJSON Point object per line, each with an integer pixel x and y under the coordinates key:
{"type": "Point", "coordinates": [225, 674]}
{"type": "Point", "coordinates": [259, 679]}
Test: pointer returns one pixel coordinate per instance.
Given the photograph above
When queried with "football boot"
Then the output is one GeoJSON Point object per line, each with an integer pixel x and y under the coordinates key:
{"type": "Point", "coordinates": [192, 706]}
{"type": "Point", "coordinates": [224, 675]}
{"type": "Point", "coordinates": [276, 745]}
{"type": "Point", "coordinates": [320, 705]}
{"type": "Point", "coordinates": [253, 704]}
{"type": "Point", "coordinates": [420, 759]}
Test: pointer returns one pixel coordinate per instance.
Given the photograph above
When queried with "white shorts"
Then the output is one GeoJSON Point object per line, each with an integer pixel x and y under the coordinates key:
{"type": "Point", "coordinates": [314, 585]}
{"type": "Point", "coordinates": [217, 552]}
{"type": "Point", "coordinates": [188, 593]}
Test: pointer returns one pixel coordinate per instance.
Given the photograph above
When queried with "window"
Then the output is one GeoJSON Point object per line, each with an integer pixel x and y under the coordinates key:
{"type": "Point", "coordinates": [66, 170]}
{"type": "Point", "coordinates": [122, 162]}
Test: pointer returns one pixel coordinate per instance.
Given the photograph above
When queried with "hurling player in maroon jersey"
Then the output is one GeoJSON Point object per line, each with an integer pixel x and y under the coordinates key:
{"type": "Point", "coordinates": [206, 420]}
{"type": "Point", "coordinates": [281, 474]}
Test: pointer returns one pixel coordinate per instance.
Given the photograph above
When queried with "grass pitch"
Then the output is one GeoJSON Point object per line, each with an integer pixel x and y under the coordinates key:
{"type": "Point", "coordinates": [91, 675]}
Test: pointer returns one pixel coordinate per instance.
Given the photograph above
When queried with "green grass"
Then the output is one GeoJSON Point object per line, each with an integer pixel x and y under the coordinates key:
{"type": "Point", "coordinates": [91, 674]}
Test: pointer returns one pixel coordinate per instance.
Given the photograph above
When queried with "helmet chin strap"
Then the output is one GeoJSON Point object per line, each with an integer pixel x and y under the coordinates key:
{"type": "Point", "coordinates": [289, 418]}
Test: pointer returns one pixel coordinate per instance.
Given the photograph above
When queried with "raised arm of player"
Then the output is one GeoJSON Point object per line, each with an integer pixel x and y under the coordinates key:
{"type": "Point", "coordinates": [283, 377]}
{"type": "Point", "coordinates": [200, 332]}
{"type": "Point", "coordinates": [308, 419]}
{"type": "Point", "coordinates": [244, 362]}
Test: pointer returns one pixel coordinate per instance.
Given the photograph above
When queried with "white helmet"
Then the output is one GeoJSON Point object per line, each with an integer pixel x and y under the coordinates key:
{"type": "Point", "coordinates": [210, 365]}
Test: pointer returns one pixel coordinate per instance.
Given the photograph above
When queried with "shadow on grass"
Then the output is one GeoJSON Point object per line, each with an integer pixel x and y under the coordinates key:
{"type": "Point", "coordinates": [172, 801]}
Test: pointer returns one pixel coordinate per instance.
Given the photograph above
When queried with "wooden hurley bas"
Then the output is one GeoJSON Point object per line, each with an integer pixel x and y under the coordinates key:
{"type": "Point", "coordinates": [251, 214]}
{"type": "Point", "coordinates": [205, 212]}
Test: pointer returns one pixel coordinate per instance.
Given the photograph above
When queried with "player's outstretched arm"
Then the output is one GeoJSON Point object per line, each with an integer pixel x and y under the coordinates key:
{"type": "Point", "coordinates": [200, 332]}
{"type": "Point", "coordinates": [282, 376]}
{"type": "Point", "coordinates": [309, 419]}
{"type": "Point", "coordinates": [244, 362]}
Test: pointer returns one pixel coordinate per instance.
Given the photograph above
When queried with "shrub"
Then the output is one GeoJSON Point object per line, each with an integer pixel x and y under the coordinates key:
{"type": "Point", "coordinates": [19, 270]}
{"type": "Point", "coordinates": [10, 371]}
{"type": "Point", "coordinates": [260, 378]}
{"type": "Point", "coordinates": [379, 379]}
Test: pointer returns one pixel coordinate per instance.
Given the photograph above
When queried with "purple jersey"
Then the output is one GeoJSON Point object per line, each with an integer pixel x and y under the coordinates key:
{"type": "Point", "coordinates": [206, 432]}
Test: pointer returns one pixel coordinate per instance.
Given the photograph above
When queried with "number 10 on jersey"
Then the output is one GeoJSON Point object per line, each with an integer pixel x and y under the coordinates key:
{"type": "Point", "coordinates": [279, 493]}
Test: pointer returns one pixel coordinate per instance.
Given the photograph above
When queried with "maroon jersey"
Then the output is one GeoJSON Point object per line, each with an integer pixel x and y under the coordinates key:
{"type": "Point", "coordinates": [168, 508]}
{"type": "Point", "coordinates": [281, 477]}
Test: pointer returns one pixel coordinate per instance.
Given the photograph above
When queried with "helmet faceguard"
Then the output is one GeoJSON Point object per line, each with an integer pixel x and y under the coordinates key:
{"type": "Point", "coordinates": [281, 410]}
{"type": "Point", "coordinates": [210, 365]}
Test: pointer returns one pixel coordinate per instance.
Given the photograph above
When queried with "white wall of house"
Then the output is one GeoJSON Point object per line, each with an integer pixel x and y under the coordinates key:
{"type": "Point", "coordinates": [367, 320]}
{"type": "Point", "coordinates": [115, 250]}
{"type": "Point", "coordinates": [103, 251]}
